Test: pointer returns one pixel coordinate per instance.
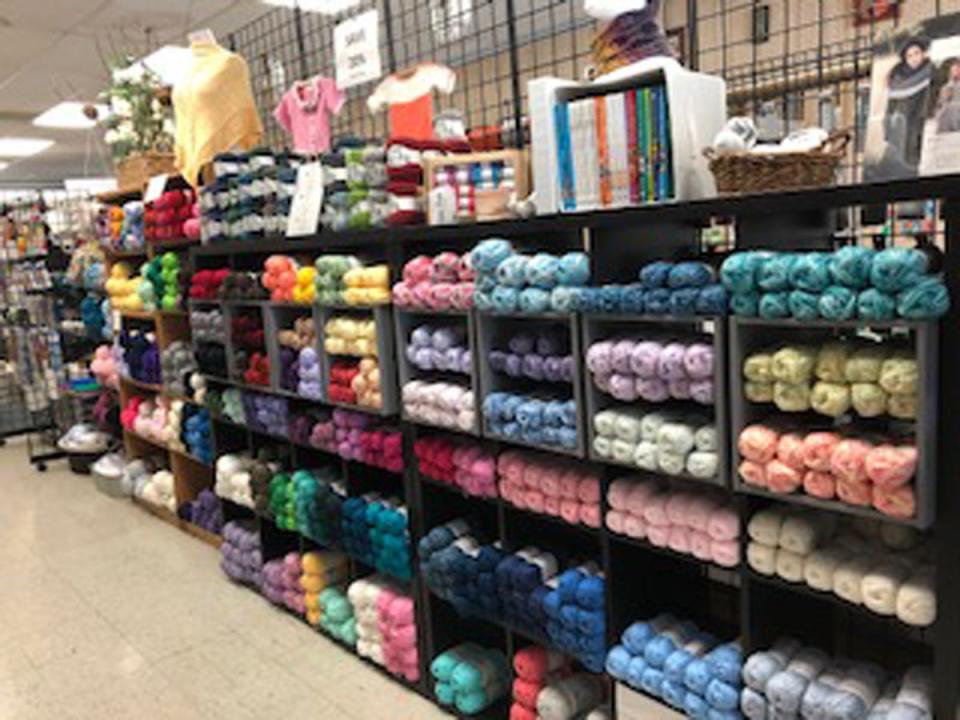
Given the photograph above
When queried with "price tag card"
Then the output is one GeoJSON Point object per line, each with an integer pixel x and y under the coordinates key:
{"type": "Point", "coordinates": [307, 201]}
{"type": "Point", "coordinates": [155, 188]}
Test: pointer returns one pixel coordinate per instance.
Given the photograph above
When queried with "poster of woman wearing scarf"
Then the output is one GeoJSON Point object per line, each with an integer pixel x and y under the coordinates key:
{"type": "Point", "coordinates": [941, 136]}
{"type": "Point", "coordinates": [900, 94]}
{"type": "Point", "coordinates": [914, 123]}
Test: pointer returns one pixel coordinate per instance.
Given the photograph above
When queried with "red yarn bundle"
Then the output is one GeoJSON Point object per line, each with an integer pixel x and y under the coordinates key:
{"type": "Point", "coordinates": [342, 373]}
{"type": "Point", "coordinates": [205, 284]}
{"type": "Point", "coordinates": [258, 370]}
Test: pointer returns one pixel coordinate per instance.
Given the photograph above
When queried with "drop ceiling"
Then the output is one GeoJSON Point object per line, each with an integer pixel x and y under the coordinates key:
{"type": "Point", "coordinates": [55, 50]}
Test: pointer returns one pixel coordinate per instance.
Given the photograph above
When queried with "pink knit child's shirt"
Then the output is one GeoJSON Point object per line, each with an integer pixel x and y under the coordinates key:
{"type": "Point", "coordinates": [304, 112]}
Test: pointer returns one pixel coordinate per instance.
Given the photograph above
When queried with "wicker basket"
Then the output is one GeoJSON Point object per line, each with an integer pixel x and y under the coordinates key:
{"type": "Point", "coordinates": [136, 170]}
{"type": "Point", "coordinates": [745, 172]}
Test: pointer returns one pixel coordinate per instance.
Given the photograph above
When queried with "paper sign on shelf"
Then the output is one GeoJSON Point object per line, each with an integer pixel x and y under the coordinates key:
{"type": "Point", "coordinates": [155, 188]}
{"type": "Point", "coordinates": [307, 201]}
{"type": "Point", "coordinates": [356, 48]}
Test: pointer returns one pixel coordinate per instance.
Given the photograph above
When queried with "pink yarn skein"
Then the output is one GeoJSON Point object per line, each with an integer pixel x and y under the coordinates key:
{"type": "Point", "coordinates": [781, 478]}
{"type": "Point", "coordinates": [758, 443]}
{"type": "Point", "coordinates": [848, 460]}
{"type": "Point", "coordinates": [790, 450]}
{"type": "Point", "coordinates": [891, 467]}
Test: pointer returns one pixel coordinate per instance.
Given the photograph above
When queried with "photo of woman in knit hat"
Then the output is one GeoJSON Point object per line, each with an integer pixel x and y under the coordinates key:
{"type": "Point", "coordinates": [941, 137]}
{"type": "Point", "coordinates": [913, 126]}
{"type": "Point", "coordinates": [901, 94]}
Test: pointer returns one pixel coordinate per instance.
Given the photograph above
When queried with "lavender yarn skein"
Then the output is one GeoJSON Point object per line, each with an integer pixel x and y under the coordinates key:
{"type": "Point", "coordinates": [698, 361]}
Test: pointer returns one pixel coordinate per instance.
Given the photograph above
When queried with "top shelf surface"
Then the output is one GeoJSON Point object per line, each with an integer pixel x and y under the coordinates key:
{"type": "Point", "coordinates": [758, 204]}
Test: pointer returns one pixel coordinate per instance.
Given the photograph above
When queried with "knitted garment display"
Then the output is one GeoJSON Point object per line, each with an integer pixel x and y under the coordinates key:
{"type": "Point", "coordinates": [304, 112]}
{"type": "Point", "coordinates": [214, 107]}
{"type": "Point", "coordinates": [409, 95]}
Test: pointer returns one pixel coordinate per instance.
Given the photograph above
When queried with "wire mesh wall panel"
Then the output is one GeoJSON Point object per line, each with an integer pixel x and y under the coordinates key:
{"type": "Point", "coordinates": [553, 38]}
{"type": "Point", "coordinates": [354, 118]}
{"type": "Point", "coordinates": [471, 38]}
{"type": "Point", "coordinates": [788, 63]}
{"type": "Point", "coordinates": [269, 45]}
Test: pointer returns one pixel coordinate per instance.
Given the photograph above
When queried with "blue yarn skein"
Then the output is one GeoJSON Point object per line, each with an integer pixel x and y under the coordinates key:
{"type": "Point", "coordinates": [676, 664]}
{"type": "Point", "coordinates": [534, 300]}
{"type": "Point", "coordinates": [722, 696]}
{"type": "Point", "coordinates": [488, 254]}
{"type": "Point", "coordinates": [927, 299]}
{"type": "Point", "coordinates": [739, 271]}
{"type": "Point", "coordinates": [512, 272]}
{"type": "Point", "coordinates": [774, 274]}
{"type": "Point", "coordinates": [712, 300]}
{"type": "Point", "coordinates": [483, 300]}
{"type": "Point", "coordinates": [697, 676]}
{"type": "Point", "coordinates": [683, 302]}
{"type": "Point", "coordinates": [589, 299]}
{"type": "Point", "coordinates": [654, 275]}
{"type": "Point", "coordinates": [725, 662]}
{"type": "Point", "coordinates": [542, 271]}
{"type": "Point", "coordinates": [658, 650]}
{"type": "Point", "coordinates": [690, 274]}
{"type": "Point", "coordinates": [574, 269]}
{"type": "Point", "coordinates": [838, 303]}
{"type": "Point", "coordinates": [635, 670]}
{"type": "Point", "coordinates": [485, 283]}
{"type": "Point", "coordinates": [804, 305]}
{"type": "Point", "coordinates": [505, 299]}
{"type": "Point", "coordinates": [896, 269]}
{"type": "Point", "coordinates": [591, 593]}
{"type": "Point", "coordinates": [530, 414]}
{"type": "Point", "coordinates": [774, 305]}
{"type": "Point", "coordinates": [873, 304]}
{"type": "Point", "coordinates": [632, 299]}
{"type": "Point", "coordinates": [652, 681]}
{"type": "Point", "coordinates": [695, 707]}
{"type": "Point", "coordinates": [636, 637]}
{"type": "Point", "coordinates": [745, 304]}
{"type": "Point", "coordinates": [610, 298]}
{"type": "Point", "coordinates": [811, 272]}
{"type": "Point", "coordinates": [716, 714]}
{"type": "Point", "coordinates": [618, 659]}
{"type": "Point", "coordinates": [658, 301]}
{"type": "Point", "coordinates": [674, 693]}
{"type": "Point", "coordinates": [850, 266]}
{"type": "Point", "coordinates": [564, 299]}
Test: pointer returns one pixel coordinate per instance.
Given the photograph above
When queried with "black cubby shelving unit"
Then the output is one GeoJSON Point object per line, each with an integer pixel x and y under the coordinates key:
{"type": "Point", "coordinates": [749, 335]}
{"type": "Point", "coordinates": [707, 330]}
{"type": "Point", "coordinates": [406, 320]}
{"type": "Point", "coordinates": [643, 580]}
{"type": "Point", "coordinates": [493, 332]}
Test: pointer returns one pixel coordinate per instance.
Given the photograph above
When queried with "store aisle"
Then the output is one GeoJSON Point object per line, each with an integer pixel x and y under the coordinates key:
{"type": "Point", "coordinates": [106, 612]}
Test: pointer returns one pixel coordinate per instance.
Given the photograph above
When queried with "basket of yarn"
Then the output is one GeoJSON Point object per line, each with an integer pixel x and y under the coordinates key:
{"type": "Point", "coordinates": [745, 171]}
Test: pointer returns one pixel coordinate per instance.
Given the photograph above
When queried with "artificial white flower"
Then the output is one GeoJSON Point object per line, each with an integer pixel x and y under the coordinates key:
{"type": "Point", "coordinates": [121, 107]}
{"type": "Point", "coordinates": [111, 137]}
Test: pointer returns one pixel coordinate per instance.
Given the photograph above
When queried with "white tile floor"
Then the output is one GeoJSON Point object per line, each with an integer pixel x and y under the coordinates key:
{"type": "Point", "coordinates": [108, 613]}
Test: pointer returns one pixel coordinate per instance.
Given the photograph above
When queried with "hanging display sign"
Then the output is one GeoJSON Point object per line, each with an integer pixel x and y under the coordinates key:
{"type": "Point", "coordinates": [356, 47]}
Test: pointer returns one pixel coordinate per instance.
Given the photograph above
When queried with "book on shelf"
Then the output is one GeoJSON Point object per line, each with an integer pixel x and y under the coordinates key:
{"type": "Point", "coordinates": [614, 150]}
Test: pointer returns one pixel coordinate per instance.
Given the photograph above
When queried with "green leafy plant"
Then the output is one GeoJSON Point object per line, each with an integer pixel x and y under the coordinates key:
{"type": "Point", "coordinates": [138, 120]}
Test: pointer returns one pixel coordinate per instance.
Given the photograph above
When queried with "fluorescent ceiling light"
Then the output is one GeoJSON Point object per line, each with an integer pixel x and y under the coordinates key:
{"type": "Point", "coordinates": [91, 185]}
{"type": "Point", "coordinates": [325, 7]}
{"type": "Point", "coordinates": [69, 115]}
{"type": "Point", "coordinates": [22, 147]}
